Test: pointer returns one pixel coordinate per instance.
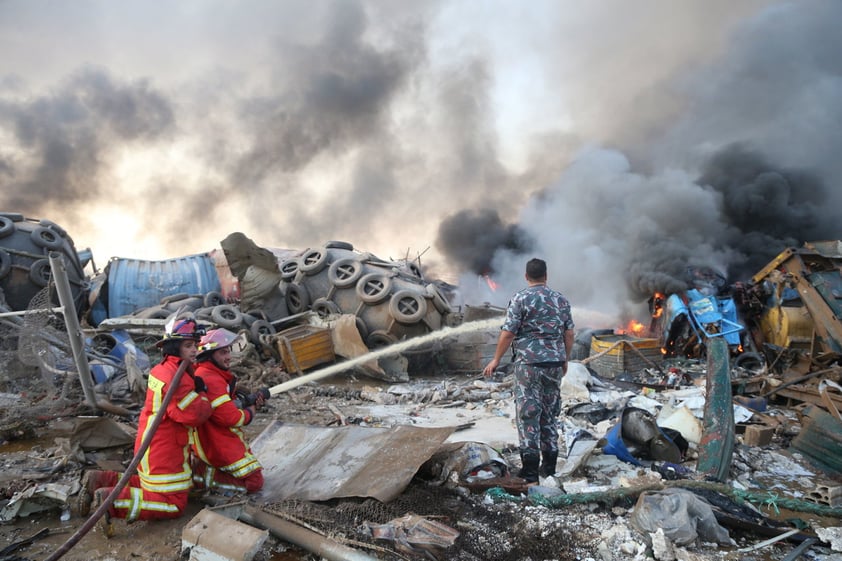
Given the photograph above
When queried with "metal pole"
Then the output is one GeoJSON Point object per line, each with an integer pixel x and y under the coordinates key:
{"type": "Point", "coordinates": [311, 541]}
{"type": "Point", "coordinates": [74, 330]}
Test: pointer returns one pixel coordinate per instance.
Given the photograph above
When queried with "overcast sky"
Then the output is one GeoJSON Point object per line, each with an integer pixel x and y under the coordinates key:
{"type": "Point", "coordinates": [621, 141]}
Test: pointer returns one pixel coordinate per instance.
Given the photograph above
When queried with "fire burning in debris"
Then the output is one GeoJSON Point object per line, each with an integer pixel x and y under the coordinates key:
{"type": "Point", "coordinates": [634, 328]}
{"type": "Point", "coordinates": [656, 305]}
{"type": "Point", "coordinates": [490, 282]}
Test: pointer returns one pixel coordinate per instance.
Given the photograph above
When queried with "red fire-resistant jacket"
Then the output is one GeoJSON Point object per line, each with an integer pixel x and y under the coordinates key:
{"type": "Point", "coordinates": [221, 442]}
{"type": "Point", "coordinates": [165, 467]}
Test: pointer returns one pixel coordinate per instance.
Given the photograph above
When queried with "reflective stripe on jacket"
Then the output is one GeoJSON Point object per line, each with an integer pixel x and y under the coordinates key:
{"type": "Point", "coordinates": [220, 441]}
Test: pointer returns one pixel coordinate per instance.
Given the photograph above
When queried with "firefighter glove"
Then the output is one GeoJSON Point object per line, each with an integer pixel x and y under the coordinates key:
{"type": "Point", "coordinates": [200, 384]}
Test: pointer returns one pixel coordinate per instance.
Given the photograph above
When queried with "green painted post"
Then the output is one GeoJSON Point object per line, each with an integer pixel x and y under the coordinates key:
{"type": "Point", "coordinates": [717, 445]}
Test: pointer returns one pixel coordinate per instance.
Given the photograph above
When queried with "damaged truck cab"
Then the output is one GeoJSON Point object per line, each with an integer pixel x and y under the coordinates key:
{"type": "Point", "coordinates": [793, 305]}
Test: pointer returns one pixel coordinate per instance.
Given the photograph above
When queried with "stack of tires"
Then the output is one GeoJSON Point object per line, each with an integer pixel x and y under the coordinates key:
{"type": "Point", "coordinates": [390, 299]}
{"type": "Point", "coordinates": [211, 308]}
{"type": "Point", "coordinates": [25, 247]}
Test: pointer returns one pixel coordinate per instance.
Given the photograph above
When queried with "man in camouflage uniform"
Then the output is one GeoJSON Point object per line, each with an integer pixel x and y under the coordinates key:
{"type": "Point", "coordinates": [539, 327]}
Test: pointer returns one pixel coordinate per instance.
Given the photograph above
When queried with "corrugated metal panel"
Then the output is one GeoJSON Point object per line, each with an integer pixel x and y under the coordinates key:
{"type": "Point", "coordinates": [134, 284]}
{"type": "Point", "coordinates": [321, 463]}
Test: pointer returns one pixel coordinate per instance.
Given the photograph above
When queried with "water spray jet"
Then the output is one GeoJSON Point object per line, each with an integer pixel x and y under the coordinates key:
{"type": "Point", "coordinates": [386, 351]}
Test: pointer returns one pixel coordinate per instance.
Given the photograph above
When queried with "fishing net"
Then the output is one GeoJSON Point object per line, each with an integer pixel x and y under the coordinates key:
{"type": "Point", "coordinates": [38, 378]}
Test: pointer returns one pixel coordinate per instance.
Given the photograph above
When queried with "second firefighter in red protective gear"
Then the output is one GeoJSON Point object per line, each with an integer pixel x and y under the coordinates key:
{"type": "Point", "coordinates": [224, 459]}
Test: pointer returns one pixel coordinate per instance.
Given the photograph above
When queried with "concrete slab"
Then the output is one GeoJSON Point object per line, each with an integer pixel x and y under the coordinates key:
{"type": "Point", "coordinates": [213, 537]}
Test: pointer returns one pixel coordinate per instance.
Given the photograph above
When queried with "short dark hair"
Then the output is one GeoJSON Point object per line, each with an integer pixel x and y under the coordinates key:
{"type": "Point", "coordinates": [536, 269]}
{"type": "Point", "coordinates": [171, 347]}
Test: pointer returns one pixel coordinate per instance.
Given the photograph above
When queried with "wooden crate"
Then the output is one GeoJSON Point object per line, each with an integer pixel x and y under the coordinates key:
{"type": "Point", "coordinates": [623, 353]}
{"type": "Point", "coordinates": [304, 346]}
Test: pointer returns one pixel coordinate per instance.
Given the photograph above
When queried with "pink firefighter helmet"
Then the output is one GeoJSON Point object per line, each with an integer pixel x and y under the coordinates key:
{"type": "Point", "coordinates": [216, 339]}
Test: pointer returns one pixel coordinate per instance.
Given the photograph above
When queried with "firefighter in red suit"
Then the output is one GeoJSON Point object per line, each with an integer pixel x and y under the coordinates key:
{"type": "Point", "coordinates": [164, 479]}
{"type": "Point", "coordinates": [224, 461]}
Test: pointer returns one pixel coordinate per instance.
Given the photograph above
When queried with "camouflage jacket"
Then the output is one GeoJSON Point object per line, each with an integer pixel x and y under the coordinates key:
{"type": "Point", "coordinates": [538, 316]}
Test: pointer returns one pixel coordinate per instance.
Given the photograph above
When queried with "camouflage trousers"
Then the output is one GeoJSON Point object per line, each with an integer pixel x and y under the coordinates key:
{"type": "Point", "coordinates": [537, 403]}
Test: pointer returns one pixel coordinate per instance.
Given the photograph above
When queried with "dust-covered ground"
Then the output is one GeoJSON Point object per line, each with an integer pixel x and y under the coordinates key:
{"type": "Point", "coordinates": [490, 527]}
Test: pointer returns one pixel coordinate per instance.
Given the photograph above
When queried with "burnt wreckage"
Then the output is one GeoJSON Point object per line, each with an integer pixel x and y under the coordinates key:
{"type": "Point", "coordinates": [787, 314]}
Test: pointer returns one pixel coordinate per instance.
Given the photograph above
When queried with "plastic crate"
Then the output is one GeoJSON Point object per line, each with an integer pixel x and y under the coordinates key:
{"type": "Point", "coordinates": [304, 346]}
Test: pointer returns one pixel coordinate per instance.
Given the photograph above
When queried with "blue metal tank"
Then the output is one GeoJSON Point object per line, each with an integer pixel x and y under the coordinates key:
{"type": "Point", "coordinates": [134, 284]}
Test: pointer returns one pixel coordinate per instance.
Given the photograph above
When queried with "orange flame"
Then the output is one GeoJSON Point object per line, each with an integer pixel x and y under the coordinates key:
{"type": "Point", "coordinates": [491, 284]}
{"type": "Point", "coordinates": [633, 327]}
{"type": "Point", "coordinates": [657, 305]}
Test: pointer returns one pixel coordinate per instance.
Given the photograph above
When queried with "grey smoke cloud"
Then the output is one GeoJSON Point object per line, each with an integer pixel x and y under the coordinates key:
{"type": "Point", "coordinates": [625, 142]}
{"type": "Point", "coordinates": [743, 172]}
{"type": "Point", "coordinates": [60, 139]}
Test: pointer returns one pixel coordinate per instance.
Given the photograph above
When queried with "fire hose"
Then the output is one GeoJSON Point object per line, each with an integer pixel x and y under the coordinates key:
{"type": "Point", "coordinates": [106, 504]}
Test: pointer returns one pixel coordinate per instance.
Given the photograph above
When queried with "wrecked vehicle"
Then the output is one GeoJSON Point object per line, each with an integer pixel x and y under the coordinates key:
{"type": "Point", "coordinates": [787, 313]}
{"type": "Point", "coordinates": [685, 321]}
{"type": "Point", "coordinates": [793, 305]}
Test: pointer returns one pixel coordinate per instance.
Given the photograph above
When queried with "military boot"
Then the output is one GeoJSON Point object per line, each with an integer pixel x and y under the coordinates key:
{"type": "Point", "coordinates": [548, 464]}
{"type": "Point", "coordinates": [530, 461]}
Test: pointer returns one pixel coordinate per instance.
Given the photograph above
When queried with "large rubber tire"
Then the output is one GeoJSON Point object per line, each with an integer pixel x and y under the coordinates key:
{"type": "Point", "coordinates": [212, 299]}
{"type": "Point", "coordinates": [379, 339]}
{"type": "Point", "coordinates": [154, 312]}
{"type": "Point", "coordinates": [174, 298]}
{"type": "Point", "coordinates": [339, 245]}
{"type": "Point", "coordinates": [374, 288]}
{"type": "Point", "coordinates": [204, 314]}
{"type": "Point", "coordinates": [749, 361]}
{"type": "Point", "coordinates": [261, 327]}
{"type": "Point", "coordinates": [344, 272]}
{"type": "Point", "coordinates": [313, 261]}
{"type": "Point", "coordinates": [46, 237]}
{"type": "Point", "coordinates": [227, 316]}
{"type": "Point", "coordinates": [7, 226]}
{"type": "Point", "coordinates": [362, 328]}
{"type": "Point", "coordinates": [53, 226]}
{"type": "Point", "coordinates": [324, 308]}
{"type": "Point", "coordinates": [258, 313]}
{"type": "Point", "coordinates": [5, 264]}
{"type": "Point", "coordinates": [40, 272]}
{"type": "Point", "coordinates": [289, 269]}
{"type": "Point", "coordinates": [297, 298]}
{"type": "Point", "coordinates": [407, 306]}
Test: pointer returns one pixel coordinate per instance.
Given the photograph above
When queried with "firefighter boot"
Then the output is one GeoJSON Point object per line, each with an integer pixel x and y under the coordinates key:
{"type": "Point", "coordinates": [530, 461]}
{"type": "Point", "coordinates": [549, 460]}
{"type": "Point", "coordinates": [104, 524]}
{"type": "Point", "coordinates": [91, 481]}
